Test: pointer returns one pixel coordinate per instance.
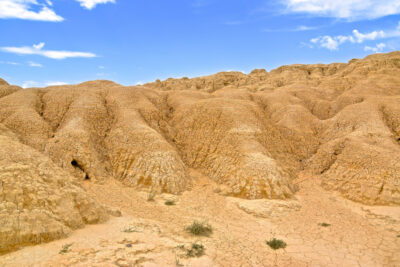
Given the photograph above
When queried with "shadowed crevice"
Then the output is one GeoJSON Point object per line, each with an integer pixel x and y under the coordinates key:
{"type": "Point", "coordinates": [76, 165]}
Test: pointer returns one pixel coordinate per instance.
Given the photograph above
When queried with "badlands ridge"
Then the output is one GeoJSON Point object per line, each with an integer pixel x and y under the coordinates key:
{"type": "Point", "coordinates": [250, 134]}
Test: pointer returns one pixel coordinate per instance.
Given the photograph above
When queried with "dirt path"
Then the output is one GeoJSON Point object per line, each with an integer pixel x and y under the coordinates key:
{"type": "Point", "coordinates": [149, 232]}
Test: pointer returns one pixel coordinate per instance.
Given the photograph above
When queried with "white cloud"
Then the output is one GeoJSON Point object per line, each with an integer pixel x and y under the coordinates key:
{"type": "Point", "coordinates": [101, 67]}
{"type": "Point", "coordinates": [378, 48]}
{"type": "Point", "coordinates": [327, 42]}
{"type": "Point", "coordinates": [34, 64]}
{"type": "Point", "coordinates": [29, 63]}
{"type": "Point", "coordinates": [9, 63]}
{"type": "Point", "coordinates": [333, 42]}
{"type": "Point", "coordinates": [90, 4]}
{"type": "Point", "coordinates": [55, 83]}
{"type": "Point", "coordinates": [368, 36]}
{"type": "Point", "coordinates": [302, 28]}
{"type": "Point", "coordinates": [38, 46]}
{"type": "Point", "coordinates": [344, 9]}
{"type": "Point", "coordinates": [37, 50]}
{"type": "Point", "coordinates": [299, 28]}
{"type": "Point", "coordinates": [28, 84]}
{"type": "Point", "coordinates": [22, 9]}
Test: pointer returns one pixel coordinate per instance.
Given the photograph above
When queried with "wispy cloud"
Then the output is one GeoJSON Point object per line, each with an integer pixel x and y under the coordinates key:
{"type": "Point", "coordinates": [302, 28]}
{"type": "Point", "coordinates": [299, 28]}
{"type": "Point", "coordinates": [54, 54]}
{"type": "Point", "coordinates": [344, 9]}
{"type": "Point", "coordinates": [22, 9]}
{"type": "Point", "coordinates": [28, 84]}
{"type": "Point", "coordinates": [29, 63]}
{"type": "Point", "coordinates": [333, 42]}
{"type": "Point", "coordinates": [90, 4]}
{"type": "Point", "coordinates": [9, 63]}
{"type": "Point", "coordinates": [34, 64]}
{"type": "Point", "coordinates": [55, 83]}
{"type": "Point", "coordinates": [378, 48]}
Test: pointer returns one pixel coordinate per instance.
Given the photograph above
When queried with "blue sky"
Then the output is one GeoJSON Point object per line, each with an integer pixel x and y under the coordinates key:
{"type": "Point", "coordinates": [45, 42]}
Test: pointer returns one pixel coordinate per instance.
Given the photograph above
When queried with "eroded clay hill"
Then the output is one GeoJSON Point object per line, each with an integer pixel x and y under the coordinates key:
{"type": "Point", "coordinates": [252, 134]}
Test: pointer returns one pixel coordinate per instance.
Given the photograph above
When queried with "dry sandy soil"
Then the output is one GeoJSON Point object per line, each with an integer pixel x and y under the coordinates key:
{"type": "Point", "coordinates": [357, 236]}
{"type": "Point", "coordinates": [309, 154]}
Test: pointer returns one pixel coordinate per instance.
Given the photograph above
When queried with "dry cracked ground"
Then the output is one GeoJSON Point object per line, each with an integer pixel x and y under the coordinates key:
{"type": "Point", "coordinates": [308, 154]}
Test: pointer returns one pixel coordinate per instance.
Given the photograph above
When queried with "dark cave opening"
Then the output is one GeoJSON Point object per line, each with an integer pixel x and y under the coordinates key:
{"type": "Point", "coordinates": [77, 165]}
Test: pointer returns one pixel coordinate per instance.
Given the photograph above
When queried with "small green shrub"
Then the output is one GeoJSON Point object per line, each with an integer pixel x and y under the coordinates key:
{"type": "Point", "coordinates": [199, 228]}
{"type": "Point", "coordinates": [65, 248]}
{"type": "Point", "coordinates": [195, 250]}
{"type": "Point", "coordinates": [324, 224]}
{"type": "Point", "coordinates": [129, 230]}
{"type": "Point", "coordinates": [151, 196]}
{"type": "Point", "coordinates": [169, 202]}
{"type": "Point", "coordinates": [276, 243]}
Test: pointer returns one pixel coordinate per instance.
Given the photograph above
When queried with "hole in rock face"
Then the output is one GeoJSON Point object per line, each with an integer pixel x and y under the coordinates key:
{"type": "Point", "coordinates": [76, 165]}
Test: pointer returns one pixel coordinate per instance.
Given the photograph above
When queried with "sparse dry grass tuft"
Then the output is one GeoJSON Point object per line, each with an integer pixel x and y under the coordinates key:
{"type": "Point", "coordinates": [65, 248]}
{"type": "Point", "coordinates": [129, 230]}
{"type": "Point", "coordinates": [199, 228]}
{"type": "Point", "coordinates": [151, 196]}
{"type": "Point", "coordinates": [195, 250]}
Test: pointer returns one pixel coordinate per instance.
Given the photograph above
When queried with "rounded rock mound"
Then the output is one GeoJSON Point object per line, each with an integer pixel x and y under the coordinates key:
{"type": "Point", "coordinates": [40, 201]}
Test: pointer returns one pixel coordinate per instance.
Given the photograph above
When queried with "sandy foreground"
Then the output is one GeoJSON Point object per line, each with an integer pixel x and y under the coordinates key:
{"type": "Point", "coordinates": [149, 233]}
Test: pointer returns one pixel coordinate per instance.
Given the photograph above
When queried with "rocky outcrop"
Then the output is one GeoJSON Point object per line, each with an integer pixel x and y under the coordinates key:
{"type": "Point", "coordinates": [40, 201]}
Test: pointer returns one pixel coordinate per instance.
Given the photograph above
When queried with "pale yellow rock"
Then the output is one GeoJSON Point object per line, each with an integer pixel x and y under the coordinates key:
{"type": "Point", "coordinates": [40, 202]}
{"type": "Point", "coordinates": [250, 133]}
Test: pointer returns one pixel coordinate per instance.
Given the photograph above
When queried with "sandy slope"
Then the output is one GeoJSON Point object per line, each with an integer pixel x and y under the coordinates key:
{"type": "Point", "coordinates": [358, 235]}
